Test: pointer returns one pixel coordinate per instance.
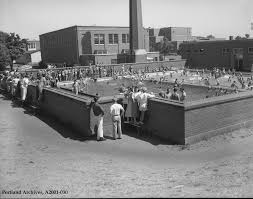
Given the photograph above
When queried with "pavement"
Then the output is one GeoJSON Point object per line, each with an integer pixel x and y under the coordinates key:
{"type": "Point", "coordinates": [42, 158]}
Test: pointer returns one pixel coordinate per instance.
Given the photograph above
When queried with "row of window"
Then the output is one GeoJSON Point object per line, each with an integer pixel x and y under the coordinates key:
{"type": "Point", "coordinates": [113, 38]}
{"type": "Point", "coordinates": [101, 52]}
{"type": "Point", "coordinates": [31, 45]}
{"type": "Point", "coordinates": [224, 50]}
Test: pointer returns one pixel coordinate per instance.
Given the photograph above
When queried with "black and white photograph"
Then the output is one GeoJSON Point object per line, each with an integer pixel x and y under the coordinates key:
{"type": "Point", "coordinates": [126, 98]}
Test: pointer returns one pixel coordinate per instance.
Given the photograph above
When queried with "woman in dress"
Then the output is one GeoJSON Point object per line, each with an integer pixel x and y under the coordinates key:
{"type": "Point", "coordinates": [129, 97]}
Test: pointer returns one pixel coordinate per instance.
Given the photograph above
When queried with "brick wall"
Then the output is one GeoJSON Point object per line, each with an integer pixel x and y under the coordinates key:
{"type": "Point", "coordinates": [213, 55]}
{"type": "Point", "coordinates": [69, 109]}
{"type": "Point", "coordinates": [166, 120]}
{"type": "Point", "coordinates": [60, 46]}
{"type": "Point", "coordinates": [217, 115]}
{"type": "Point", "coordinates": [178, 123]}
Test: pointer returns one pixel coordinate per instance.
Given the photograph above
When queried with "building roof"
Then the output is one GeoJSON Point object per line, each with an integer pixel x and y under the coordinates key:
{"type": "Point", "coordinates": [34, 40]}
{"type": "Point", "coordinates": [86, 27]}
{"type": "Point", "coordinates": [31, 51]}
{"type": "Point", "coordinates": [218, 41]}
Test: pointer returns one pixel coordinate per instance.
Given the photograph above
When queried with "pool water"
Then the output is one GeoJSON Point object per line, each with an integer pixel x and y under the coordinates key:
{"type": "Point", "coordinates": [111, 87]}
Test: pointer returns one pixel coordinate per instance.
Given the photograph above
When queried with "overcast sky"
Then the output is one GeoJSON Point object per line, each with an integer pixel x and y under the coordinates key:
{"type": "Point", "coordinates": [222, 18]}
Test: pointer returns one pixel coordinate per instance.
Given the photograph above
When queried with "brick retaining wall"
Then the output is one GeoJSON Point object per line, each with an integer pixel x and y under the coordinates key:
{"type": "Point", "coordinates": [179, 123]}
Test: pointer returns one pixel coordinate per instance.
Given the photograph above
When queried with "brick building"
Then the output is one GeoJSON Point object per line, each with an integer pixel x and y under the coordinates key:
{"type": "Point", "coordinates": [84, 45]}
{"type": "Point", "coordinates": [237, 54]}
{"type": "Point", "coordinates": [176, 35]}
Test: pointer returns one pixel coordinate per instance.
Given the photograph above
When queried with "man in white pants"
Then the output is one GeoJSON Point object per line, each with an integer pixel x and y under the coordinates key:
{"type": "Point", "coordinates": [116, 111]}
{"type": "Point", "coordinates": [98, 119]}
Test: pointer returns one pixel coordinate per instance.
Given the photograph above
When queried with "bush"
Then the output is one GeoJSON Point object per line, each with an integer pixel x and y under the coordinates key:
{"type": "Point", "coordinates": [42, 65]}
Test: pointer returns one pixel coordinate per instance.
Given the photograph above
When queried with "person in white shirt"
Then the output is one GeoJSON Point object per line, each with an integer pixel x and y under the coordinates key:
{"type": "Point", "coordinates": [24, 85]}
{"type": "Point", "coordinates": [116, 111]}
{"type": "Point", "coordinates": [14, 85]}
{"type": "Point", "coordinates": [142, 99]}
{"type": "Point", "coordinates": [75, 86]}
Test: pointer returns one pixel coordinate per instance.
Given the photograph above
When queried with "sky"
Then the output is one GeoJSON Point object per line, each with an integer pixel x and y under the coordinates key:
{"type": "Point", "coordinates": [221, 18]}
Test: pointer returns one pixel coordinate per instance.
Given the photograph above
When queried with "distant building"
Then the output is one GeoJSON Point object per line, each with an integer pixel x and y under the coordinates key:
{"type": "Point", "coordinates": [175, 35]}
{"type": "Point", "coordinates": [237, 54]}
{"type": "Point", "coordinates": [33, 45]}
{"type": "Point", "coordinates": [32, 56]}
{"type": "Point", "coordinates": [84, 45]}
{"type": "Point", "coordinates": [201, 38]}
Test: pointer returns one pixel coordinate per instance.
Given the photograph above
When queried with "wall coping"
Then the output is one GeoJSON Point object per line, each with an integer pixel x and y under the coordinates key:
{"type": "Point", "coordinates": [168, 101]}
{"type": "Point", "coordinates": [217, 100]}
{"type": "Point", "coordinates": [87, 101]}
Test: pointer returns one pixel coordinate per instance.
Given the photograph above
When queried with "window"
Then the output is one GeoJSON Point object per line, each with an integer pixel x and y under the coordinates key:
{"type": "Point", "coordinates": [113, 38]}
{"type": "Point", "coordinates": [237, 51]}
{"type": "Point", "coordinates": [100, 52]}
{"type": "Point", "coordinates": [250, 50]}
{"type": "Point", "coordinates": [99, 39]}
{"type": "Point", "coordinates": [125, 38]}
{"type": "Point", "coordinates": [125, 51]}
{"type": "Point", "coordinates": [225, 50]}
{"type": "Point", "coordinates": [116, 38]}
{"type": "Point", "coordinates": [202, 50]}
{"type": "Point", "coordinates": [31, 45]}
{"type": "Point", "coordinates": [114, 61]}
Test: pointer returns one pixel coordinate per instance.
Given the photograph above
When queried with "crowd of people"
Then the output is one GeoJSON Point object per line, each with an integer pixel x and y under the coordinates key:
{"type": "Point", "coordinates": [135, 99]}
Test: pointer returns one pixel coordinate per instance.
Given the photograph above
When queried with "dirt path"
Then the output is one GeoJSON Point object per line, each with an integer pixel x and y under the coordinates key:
{"type": "Point", "coordinates": [39, 155]}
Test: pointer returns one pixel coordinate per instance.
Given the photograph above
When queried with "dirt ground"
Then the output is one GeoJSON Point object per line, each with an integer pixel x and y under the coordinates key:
{"type": "Point", "coordinates": [41, 156]}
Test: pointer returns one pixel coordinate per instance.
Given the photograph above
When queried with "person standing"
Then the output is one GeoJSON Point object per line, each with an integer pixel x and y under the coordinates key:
{"type": "Point", "coordinates": [175, 95]}
{"type": "Point", "coordinates": [183, 95]}
{"type": "Point", "coordinates": [75, 87]}
{"type": "Point", "coordinates": [168, 93]}
{"type": "Point", "coordinates": [98, 117]}
{"type": "Point", "coordinates": [41, 85]}
{"type": "Point", "coordinates": [135, 108]}
{"type": "Point", "coordinates": [24, 84]}
{"type": "Point", "coordinates": [142, 99]}
{"type": "Point", "coordinates": [14, 85]}
{"type": "Point", "coordinates": [116, 111]}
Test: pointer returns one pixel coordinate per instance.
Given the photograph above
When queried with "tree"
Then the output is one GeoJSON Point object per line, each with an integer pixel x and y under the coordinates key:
{"type": "Point", "coordinates": [14, 48]}
{"type": "Point", "coordinates": [42, 65]}
{"type": "Point", "coordinates": [4, 57]}
{"type": "Point", "coordinates": [238, 38]}
{"type": "Point", "coordinates": [247, 36]}
{"type": "Point", "coordinates": [165, 47]}
{"type": "Point", "coordinates": [3, 37]}
{"type": "Point", "coordinates": [210, 37]}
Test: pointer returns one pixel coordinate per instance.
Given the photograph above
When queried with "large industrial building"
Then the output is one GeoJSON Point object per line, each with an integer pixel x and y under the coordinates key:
{"type": "Point", "coordinates": [84, 45]}
{"type": "Point", "coordinates": [237, 54]}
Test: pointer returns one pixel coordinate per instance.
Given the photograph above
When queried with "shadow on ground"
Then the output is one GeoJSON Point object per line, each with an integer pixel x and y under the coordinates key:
{"type": "Point", "coordinates": [66, 132]}
{"type": "Point", "coordinates": [152, 139]}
